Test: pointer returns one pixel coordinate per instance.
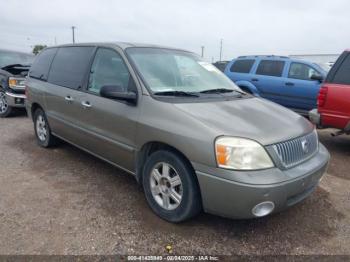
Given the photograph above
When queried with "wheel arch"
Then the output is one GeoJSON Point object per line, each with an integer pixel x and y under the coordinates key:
{"type": "Point", "coordinates": [151, 147]}
{"type": "Point", "coordinates": [34, 107]}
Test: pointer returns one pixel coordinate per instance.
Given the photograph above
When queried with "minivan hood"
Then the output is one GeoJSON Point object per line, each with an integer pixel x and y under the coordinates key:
{"type": "Point", "coordinates": [253, 118]}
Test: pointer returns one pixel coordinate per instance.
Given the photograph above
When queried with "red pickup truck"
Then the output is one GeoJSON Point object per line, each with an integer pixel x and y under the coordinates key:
{"type": "Point", "coordinates": [333, 100]}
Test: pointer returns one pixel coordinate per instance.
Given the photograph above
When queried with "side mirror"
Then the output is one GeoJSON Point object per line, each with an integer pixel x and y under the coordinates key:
{"type": "Point", "coordinates": [317, 78]}
{"type": "Point", "coordinates": [118, 93]}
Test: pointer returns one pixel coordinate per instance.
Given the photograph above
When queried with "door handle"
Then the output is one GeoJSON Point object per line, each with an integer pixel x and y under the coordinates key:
{"type": "Point", "coordinates": [86, 104]}
{"type": "Point", "coordinates": [289, 84]}
{"type": "Point", "coordinates": [69, 99]}
{"type": "Point", "coordinates": [255, 79]}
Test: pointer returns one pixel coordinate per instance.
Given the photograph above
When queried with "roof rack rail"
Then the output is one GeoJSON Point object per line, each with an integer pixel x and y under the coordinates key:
{"type": "Point", "coordinates": [284, 57]}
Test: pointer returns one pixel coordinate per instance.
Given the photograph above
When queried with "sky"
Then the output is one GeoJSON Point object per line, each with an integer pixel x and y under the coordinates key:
{"type": "Point", "coordinates": [246, 27]}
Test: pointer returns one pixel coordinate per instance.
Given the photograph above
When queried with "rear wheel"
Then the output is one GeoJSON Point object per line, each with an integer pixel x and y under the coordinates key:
{"type": "Point", "coordinates": [5, 109]}
{"type": "Point", "coordinates": [171, 187]}
{"type": "Point", "coordinates": [42, 129]}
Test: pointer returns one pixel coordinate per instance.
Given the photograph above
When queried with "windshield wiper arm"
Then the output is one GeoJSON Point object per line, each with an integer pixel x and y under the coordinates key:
{"type": "Point", "coordinates": [217, 91]}
{"type": "Point", "coordinates": [176, 93]}
{"type": "Point", "coordinates": [222, 91]}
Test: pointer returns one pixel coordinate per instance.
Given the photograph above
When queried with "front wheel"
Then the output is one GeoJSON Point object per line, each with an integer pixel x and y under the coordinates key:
{"type": "Point", "coordinates": [42, 129]}
{"type": "Point", "coordinates": [171, 187]}
{"type": "Point", "coordinates": [5, 109]}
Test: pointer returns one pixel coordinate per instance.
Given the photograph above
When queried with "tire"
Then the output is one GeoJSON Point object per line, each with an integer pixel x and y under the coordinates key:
{"type": "Point", "coordinates": [42, 130]}
{"type": "Point", "coordinates": [5, 109]}
{"type": "Point", "coordinates": [170, 200]}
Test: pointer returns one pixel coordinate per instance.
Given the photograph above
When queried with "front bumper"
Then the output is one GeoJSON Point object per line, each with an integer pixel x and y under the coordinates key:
{"type": "Point", "coordinates": [234, 194]}
{"type": "Point", "coordinates": [315, 117]}
{"type": "Point", "coordinates": [15, 100]}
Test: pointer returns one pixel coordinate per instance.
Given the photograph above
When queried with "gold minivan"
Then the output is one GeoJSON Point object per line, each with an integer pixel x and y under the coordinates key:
{"type": "Point", "coordinates": [188, 134]}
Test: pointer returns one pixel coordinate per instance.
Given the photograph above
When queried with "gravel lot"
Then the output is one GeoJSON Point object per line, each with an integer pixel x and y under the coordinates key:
{"type": "Point", "coordinates": [64, 201]}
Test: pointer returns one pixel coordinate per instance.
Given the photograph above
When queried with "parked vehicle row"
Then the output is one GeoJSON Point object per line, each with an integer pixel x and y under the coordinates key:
{"type": "Point", "coordinates": [292, 83]}
{"type": "Point", "coordinates": [221, 65]}
{"type": "Point", "coordinates": [334, 97]}
{"type": "Point", "coordinates": [188, 134]}
{"type": "Point", "coordinates": [14, 67]}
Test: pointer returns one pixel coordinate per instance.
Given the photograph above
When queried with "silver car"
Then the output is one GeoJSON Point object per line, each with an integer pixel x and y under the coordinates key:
{"type": "Point", "coordinates": [192, 138]}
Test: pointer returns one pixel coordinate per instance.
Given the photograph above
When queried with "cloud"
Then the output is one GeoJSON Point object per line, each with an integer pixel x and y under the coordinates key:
{"type": "Point", "coordinates": [246, 27]}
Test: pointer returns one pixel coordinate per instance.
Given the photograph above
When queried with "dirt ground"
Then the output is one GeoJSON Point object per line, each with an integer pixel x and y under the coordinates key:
{"type": "Point", "coordinates": [64, 201]}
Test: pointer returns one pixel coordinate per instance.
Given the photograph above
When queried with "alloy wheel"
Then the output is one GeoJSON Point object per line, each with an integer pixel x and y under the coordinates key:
{"type": "Point", "coordinates": [41, 128]}
{"type": "Point", "coordinates": [166, 186]}
{"type": "Point", "coordinates": [3, 103]}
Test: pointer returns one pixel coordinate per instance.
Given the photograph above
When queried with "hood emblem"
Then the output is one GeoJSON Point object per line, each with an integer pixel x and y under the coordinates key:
{"type": "Point", "coordinates": [305, 146]}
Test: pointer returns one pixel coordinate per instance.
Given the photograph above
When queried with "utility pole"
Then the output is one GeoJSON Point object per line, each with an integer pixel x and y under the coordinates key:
{"type": "Point", "coordinates": [220, 50]}
{"type": "Point", "coordinates": [73, 32]}
{"type": "Point", "coordinates": [55, 40]}
{"type": "Point", "coordinates": [202, 51]}
{"type": "Point", "coordinates": [30, 46]}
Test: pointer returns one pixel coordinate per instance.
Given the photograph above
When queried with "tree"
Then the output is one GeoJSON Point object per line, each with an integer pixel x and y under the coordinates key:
{"type": "Point", "coordinates": [38, 48]}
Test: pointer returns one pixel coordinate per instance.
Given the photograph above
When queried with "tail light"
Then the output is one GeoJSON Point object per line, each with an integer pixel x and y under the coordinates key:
{"type": "Point", "coordinates": [322, 96]}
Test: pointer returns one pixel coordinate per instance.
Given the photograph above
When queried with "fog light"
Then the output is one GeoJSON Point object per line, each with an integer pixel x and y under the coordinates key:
{"type": "Point", "coordinates": [263, 209]}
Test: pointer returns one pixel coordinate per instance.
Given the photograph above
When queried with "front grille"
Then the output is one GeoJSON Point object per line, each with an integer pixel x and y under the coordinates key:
{"type": "Point", "coordinates": [296, 151]}
{"type": "Point", "coordinates": [18, 91]}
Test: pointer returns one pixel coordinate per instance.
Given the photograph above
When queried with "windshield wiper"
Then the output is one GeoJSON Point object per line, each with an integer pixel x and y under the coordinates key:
{"type": "Point", "coordinates": [176, 93]}
{"type": "Point", "coordinates": [217, 91]}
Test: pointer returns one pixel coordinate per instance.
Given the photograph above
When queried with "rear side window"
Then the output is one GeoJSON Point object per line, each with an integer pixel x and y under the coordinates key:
{"type": "Point", "coordinates": [41, 66]}
{"type": "Point", "coordinates": [270, 68]}
{"type": "Point", "coordinates": [242, 66]}
{"type": "Point", "coordinates": [342, 76]}
{"type": "Point", "coordinates": [69, 66]}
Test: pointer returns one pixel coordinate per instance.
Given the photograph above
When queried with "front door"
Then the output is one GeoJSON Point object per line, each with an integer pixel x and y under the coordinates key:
{"type": "Point", "coordinates": [300, 90]}
{"type": "Point", "coordinates": [110, 124]}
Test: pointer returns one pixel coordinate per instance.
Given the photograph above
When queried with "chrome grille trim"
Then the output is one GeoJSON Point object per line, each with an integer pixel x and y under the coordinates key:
{"type": "Point", "coordinates": [293, 152]}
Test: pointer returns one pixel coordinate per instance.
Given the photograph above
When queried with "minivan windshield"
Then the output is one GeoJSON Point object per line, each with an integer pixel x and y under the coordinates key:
{"type": "Point", "coordinates": [168, 71]}
{"type": "Point", "coordinates": [12, 58]}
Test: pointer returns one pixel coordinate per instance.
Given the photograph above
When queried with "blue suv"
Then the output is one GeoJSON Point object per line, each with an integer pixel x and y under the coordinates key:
{"type": "Point", "coordinates": [289, 82]}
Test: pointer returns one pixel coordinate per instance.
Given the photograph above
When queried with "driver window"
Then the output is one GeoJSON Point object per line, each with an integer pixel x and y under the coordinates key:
{"type": "Point", "coordinates": [108, 68]}
{"type": "Point", "coordinates": [301, 71]}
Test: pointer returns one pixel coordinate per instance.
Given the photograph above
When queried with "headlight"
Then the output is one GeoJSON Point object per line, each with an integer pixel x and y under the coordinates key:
{"type": "Point", "coordinates": [241, 154]}
{"type": "Point", "coordinates": [16, 82]}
